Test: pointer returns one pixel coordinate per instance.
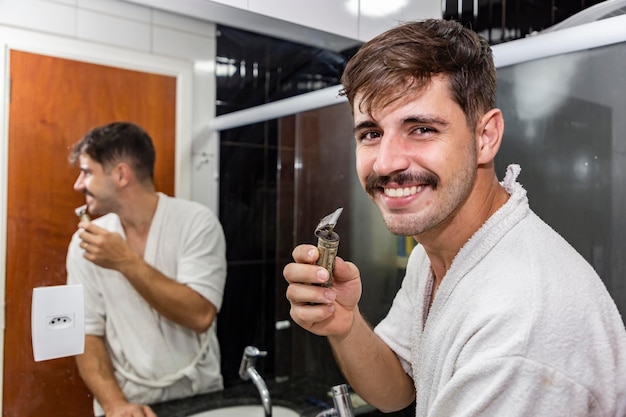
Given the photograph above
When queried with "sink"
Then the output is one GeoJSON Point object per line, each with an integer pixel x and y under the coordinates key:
{"type": "Point", "coordinates": [247, 411]}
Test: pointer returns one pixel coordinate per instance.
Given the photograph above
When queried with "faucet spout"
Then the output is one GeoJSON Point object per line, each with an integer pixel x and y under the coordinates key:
{"type": "Point", "coordinates": [248, 371]}
{"type": "Point", "coordinates": [264, 393]}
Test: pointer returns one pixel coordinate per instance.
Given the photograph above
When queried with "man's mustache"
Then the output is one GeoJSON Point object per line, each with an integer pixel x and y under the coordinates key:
{"type": "Point", "coordinates": [374, 182]}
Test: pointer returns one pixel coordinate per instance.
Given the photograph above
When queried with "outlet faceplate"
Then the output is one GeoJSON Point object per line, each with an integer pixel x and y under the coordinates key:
{"type": "Point", "coordinates": [58, 321]}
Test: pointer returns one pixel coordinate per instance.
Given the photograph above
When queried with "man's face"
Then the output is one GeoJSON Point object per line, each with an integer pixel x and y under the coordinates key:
{"type": "Point", "coordinates": [97, 185]}
{"type": "Point", "coordinates": [416, 158]}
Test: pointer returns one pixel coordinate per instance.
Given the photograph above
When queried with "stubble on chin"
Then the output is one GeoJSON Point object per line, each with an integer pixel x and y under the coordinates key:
{"type": "Point", "coordinates": [403, 224]}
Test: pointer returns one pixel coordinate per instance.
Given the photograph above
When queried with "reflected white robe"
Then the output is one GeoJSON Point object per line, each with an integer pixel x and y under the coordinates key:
{"type": "Point", "coordinates": [154, 358]}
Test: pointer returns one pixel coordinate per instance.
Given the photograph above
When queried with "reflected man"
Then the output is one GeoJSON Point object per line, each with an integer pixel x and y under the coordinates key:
{"type": "Point", "coordinates": [153, 269]}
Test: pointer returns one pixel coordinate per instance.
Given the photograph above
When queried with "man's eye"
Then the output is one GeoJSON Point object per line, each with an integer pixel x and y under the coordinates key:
{"type": "Point", "coordinates": [423, 130]}
{"type": "Point", "coordinates": [368, 136]}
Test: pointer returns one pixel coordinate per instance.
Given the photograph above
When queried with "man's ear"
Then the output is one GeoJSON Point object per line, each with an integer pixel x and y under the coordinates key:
{"type": "Point", "coordinates": [122, 173]}
{"type": "Point", "coordinates": [489, 131]}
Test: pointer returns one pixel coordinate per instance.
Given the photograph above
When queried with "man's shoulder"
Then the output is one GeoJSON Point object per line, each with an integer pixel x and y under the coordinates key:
{"type": "Point", "coordinates": [178, 203]}
{"type": "Point", "coordinates": [183, 214]}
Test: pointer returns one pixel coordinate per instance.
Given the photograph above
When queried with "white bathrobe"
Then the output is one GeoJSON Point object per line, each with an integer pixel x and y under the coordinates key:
{"type": "Point", "coordinates": [156, 359]}
{"type": "Point", "coordinates": [521, 326]}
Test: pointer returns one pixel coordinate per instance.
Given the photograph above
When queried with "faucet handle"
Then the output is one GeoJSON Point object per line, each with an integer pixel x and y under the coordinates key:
{"type": "Point", "coordinates": [253, 352]}
{"type": "Point", "coordinates": [248, 360]}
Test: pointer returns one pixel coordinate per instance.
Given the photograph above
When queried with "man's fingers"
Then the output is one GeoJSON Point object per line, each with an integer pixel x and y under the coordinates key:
{"type": "Point", "coordinates": [305, 294]}
{"type": "Point", "coordinates": [148, 411]}
{"type": "Point", "coordinates": [305, 254]}
{"type": "Point", "coordinates": [307, 316]}
{"type": "Point", "coordinates": [305, 273]}
{"type": "Point", "coordinates": [310, 304]}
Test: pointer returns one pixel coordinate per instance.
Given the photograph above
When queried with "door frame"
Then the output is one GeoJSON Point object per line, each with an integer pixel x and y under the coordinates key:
{"type": "Point", "coordinates": [89, 52]}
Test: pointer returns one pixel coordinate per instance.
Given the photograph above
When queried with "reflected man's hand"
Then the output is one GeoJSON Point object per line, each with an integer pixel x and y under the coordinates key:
{"type": "Point", "coordinates": [131, 410]}
{"type": "Point", "coordinates": [105, 248]}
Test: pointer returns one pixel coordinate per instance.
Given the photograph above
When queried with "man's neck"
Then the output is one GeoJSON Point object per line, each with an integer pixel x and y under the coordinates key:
{"type": "Point", "coordinates": [138, 211]}
{"type": "Point", "coordinates": [443, 243]}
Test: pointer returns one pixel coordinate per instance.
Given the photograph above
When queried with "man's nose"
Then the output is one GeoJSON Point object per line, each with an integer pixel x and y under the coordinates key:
{"type": "Point", "coordinates": [79, 184]}
{"type": "Point", "coordinates": [392, 156]}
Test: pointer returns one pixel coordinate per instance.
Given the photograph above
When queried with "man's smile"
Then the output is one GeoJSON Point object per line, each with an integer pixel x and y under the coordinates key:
{"type": "Point", "coordinates": [403, 191]}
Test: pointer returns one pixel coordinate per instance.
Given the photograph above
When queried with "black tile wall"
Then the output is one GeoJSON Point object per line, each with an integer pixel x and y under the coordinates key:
{"type": "Point", "coordinates": [502, 21]}
{"type": "Point", "coordinates": [253, 70]}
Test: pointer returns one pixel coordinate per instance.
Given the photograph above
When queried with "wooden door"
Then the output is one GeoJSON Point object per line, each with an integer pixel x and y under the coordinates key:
{"type": "Point", "coordinates": [53, 103]}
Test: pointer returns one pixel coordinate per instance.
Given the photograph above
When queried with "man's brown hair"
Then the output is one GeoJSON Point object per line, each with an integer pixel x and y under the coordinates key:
{"type": "Point", "coordinates": [408, 56]}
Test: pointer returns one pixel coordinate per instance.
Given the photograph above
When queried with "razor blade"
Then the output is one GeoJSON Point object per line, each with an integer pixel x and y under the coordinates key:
{"type": "Point", "coordinates": [328, 243]}
{"type": "Point", "coordinates": [81, 213]}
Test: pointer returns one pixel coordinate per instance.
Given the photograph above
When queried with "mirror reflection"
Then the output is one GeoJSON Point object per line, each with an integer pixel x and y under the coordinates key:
{"type": "Point", "coordinates": [153, 269]}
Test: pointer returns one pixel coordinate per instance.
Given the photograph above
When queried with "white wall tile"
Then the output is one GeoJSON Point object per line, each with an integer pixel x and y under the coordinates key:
{"type": "Point", "coordinates": [240, 4]}
{"type": "Point", "coordinates": [422, 10]}
{"type": "Point", "coordinates": [39, 15]}
{"type": "Point", "coordinates": [372, 24]}
{"type": "Point", "coordinates": [117, 8]}
{"type": "Point", "coordinates": [182, 44]}
{"type": "Point", "coordinates": [225, 13]}
{"type": "Point", "coordinates": [183, 23]}
{"type": "Point", "coordinates": [67, 2]}
{"type": "Point", "coordinates": [113, 30]}
{"type": "Point", "coordinates": [334, 16]}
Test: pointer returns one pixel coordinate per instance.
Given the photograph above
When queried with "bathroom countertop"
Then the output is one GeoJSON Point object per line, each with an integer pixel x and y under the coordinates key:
{"type": "Point", "coordinates": [304, 396]}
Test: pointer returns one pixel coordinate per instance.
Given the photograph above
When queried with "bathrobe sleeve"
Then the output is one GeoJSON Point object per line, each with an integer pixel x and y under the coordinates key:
{"type": "Point", "coordinates": [202, 262]}
{"type": "Point", "coordinates": [81, 271]}
{"type": "Point", "coordinates": [187, 244]}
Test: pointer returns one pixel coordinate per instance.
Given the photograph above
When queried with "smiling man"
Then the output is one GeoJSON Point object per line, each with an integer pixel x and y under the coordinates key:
{"type": "Point", "coordinates": [497, 314]}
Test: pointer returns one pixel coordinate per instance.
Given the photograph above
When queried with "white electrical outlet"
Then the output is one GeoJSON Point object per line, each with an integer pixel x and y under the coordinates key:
{"type": "Point", "coordinates": [58, 321]}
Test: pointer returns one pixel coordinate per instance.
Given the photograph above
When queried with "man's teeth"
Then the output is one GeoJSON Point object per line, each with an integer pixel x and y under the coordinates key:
{"type": "Point", "coordinates": [403, 192]}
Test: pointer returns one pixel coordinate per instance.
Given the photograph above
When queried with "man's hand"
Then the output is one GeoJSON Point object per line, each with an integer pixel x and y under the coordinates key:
{"type": "Point", "coordinates": [323, 311]}
{"type": "Point", "coordinates": [104, 248]}
{"type": "Point", "coordinates": [370, 366]}
{"type": "Point", "coordinates": [130, 410]}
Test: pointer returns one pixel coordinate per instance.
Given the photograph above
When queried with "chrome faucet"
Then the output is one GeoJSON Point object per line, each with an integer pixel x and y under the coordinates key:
{"type": "Point", "coordinates": [342, 401]}
{"type": "Point", "coordinates": [248, 371]}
